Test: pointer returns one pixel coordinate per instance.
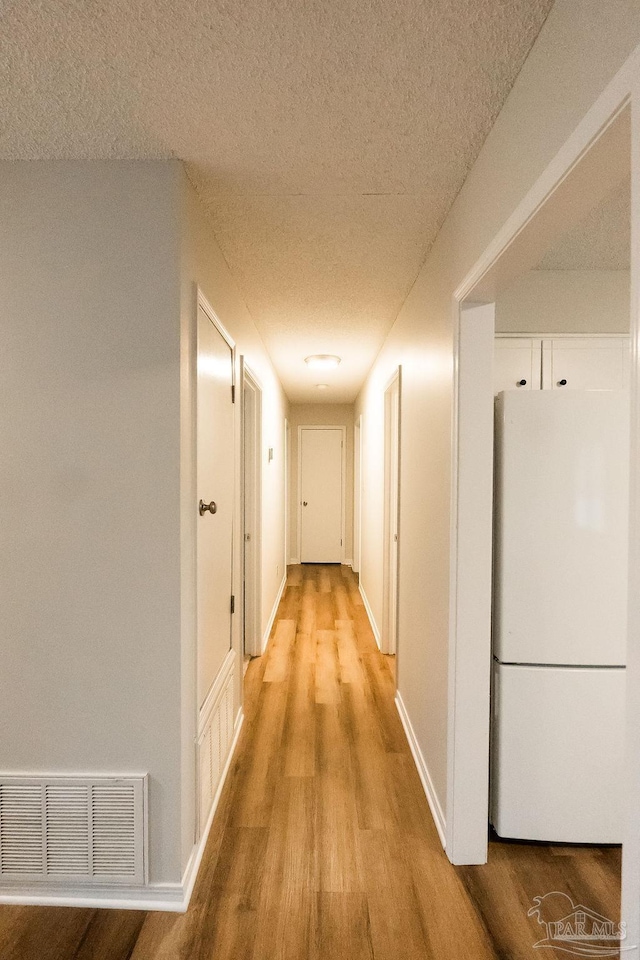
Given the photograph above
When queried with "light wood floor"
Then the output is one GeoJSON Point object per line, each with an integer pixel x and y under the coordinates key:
{"type": "Point", "coordinates": [323, 845]}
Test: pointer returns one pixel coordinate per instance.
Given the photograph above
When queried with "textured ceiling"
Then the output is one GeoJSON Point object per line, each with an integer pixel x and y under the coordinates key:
{"type": "Point", "coordinates": [327, 138]}
{"type": "Point", "coordinates": [602, 241]}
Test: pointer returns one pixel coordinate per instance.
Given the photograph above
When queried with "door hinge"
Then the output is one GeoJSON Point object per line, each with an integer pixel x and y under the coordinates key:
{"type": "Point", "coordinates": [341, 543]}
{"type": "Point", "coordinates": [233, 604]}
{"type": "Point", "coordinates": [233, 393]}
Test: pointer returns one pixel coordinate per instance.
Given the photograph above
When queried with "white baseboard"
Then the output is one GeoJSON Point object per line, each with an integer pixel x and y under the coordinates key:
{"type": "Point", "coordinates": [423, 772]}
{"type": "Point", "coordinates": [294, 562]}
{"type": "Point", "coordinates": [347, 563]}
{"type": "Point", "coordinates": [267, 632]}
{"type": "Point", "coordinates": [168, 897]}
{"type": "Point", "coordinates": [372, 619]}
{"type": "Point", "coordinates": [155, 896]}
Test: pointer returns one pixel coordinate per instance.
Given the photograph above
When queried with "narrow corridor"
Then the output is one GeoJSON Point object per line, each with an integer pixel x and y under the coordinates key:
{"type": "Point", "coordinates": [323, 845]}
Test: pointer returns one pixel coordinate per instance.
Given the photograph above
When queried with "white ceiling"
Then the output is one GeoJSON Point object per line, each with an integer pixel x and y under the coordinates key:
{"type": "Point", "coordinates": [602, 241]}
{"type": "Point", "coordinates": [327, 138]}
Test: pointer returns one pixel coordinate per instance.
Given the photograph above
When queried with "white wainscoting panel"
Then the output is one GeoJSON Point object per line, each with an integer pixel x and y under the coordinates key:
{"type": "Point", "coordinates": [215, 736]}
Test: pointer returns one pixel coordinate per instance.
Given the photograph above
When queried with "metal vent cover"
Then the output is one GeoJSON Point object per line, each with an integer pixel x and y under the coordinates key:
{"type": "Point", "coordinates": [73, 829]}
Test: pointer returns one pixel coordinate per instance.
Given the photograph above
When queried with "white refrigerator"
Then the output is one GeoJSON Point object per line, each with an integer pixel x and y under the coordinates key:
{"type": "Point", "coordinates": [559, 631]}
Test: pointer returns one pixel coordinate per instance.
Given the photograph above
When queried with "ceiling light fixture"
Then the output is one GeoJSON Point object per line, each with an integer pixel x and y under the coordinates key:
{"type": "Point", "coordinates": [322, 386]}
{"type": "Point", "coordinates": [322, 361]}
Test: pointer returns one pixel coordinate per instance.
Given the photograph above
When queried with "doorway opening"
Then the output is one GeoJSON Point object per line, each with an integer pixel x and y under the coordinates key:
{"type": "Point", "coordinates": [554, 357]}
{"type": "Point", "coordinates": [251, 511]}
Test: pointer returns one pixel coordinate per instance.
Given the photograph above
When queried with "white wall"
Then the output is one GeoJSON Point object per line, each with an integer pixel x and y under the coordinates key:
{"type": "Point", "coordinates": [329, 415]}
{"type": "Point", "coordinates": [203, 265]}
{"type": "Point", "coordinates": [89, 482]}
{"type": "Point", "coordinates": [580, 48]}
{"type": "Point", "coordinates": [566, 301]}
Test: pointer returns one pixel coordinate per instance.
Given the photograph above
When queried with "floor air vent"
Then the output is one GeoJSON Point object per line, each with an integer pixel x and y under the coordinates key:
{"type": "Point", "coordinates": [72, 830]}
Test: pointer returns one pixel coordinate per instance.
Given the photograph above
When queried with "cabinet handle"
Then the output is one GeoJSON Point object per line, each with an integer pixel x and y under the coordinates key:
{"type": "Point", "coordinates": [562, 383]}
{"type": "Point", "coordinates": [522, 383]}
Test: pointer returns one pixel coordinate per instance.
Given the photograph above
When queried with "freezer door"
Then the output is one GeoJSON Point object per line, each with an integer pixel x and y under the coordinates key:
{"type": "Point", "coordinates": [557, 757]}
{"type": "Point", "coordinates": [561, 536]}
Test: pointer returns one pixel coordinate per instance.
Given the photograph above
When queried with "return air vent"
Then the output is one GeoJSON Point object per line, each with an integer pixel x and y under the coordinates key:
{"type": "Point", "coordinates": [71, 829]}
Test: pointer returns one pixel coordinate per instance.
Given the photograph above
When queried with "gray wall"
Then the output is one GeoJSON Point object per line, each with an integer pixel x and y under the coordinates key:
{"type": "Point", "coordinates": [99, 263]}
{"type": "Point", "coordinates": [89, 484]}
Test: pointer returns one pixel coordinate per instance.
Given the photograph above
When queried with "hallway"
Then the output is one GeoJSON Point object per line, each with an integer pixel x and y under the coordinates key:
{"type": "Point", "coordinates": [323, 845]}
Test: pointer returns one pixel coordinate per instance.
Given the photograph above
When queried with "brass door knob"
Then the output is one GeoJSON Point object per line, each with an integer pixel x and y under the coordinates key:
{"type": "Point", "coordinates": [204, 507]}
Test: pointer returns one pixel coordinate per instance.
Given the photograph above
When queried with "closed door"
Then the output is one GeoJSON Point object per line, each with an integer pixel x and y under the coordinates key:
{"type": "Point", "coordinates": [357, 495]}
{"type": "Point", "coordinates": [215, 500]}
{"type": "Point", "coordinates": [391, 515]}
{"type": "Point", "coordinates": [600, 363]}
{"type": "Point", "coordinates": [251, 514]}
{"type": "Point", "coordinates": [517, 364]}
{"type": "Point", "coordinates": [321, 494]}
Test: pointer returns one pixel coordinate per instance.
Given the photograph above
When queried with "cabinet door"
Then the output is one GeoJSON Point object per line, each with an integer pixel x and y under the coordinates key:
{"type": "Point", "coordinates": [517, 364]}
{"type": "Point", "coordinates": [597, 363]}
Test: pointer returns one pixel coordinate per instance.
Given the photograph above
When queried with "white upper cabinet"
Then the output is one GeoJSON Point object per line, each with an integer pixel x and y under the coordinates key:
{"type": "Point", "coordinates": [517, 364]}
{"type": "Point", "coordinates": [592, 363]}
{"type": "Point", "coordinates": [561, 363]}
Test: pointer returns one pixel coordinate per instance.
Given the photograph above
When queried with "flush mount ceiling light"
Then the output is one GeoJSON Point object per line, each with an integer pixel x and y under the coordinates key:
{"type": "Point", "coordinates": [322, 386]}
{"type": "Point", "coordinates": [322, 361]}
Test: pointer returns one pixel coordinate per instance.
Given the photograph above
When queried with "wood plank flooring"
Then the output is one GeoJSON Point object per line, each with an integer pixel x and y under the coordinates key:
{"type": "Point", "coordinates": [323, 845]}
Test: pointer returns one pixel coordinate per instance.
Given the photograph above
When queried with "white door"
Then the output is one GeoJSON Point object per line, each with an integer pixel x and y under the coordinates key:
{"type": "Point", "coordinates": [590, 363]}
{"type": "Point", "coordinates": [391, 512]}
{"type": "Point", "coordinates": [251, 433]}
{"type": "Point", "coordinates": [321, 494]}
{"type": "Point", "coordinates": [357, 495]}
{"type": "Point", "coordinates": [288, 548]}
{"type": "Point", "coordinates": [215, 468]}
{"type": "Point", "coordinates": [517, 363]}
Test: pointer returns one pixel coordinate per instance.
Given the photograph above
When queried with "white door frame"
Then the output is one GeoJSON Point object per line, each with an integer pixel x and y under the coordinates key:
{"type": "Point", "coordinates": [252, 645]}
{"type": "Point", "coordinates": [357, 495]}
{"type": "Point", "coordinates": [467, 823]}
{"type": "Point", "coordinates": [343, 483]}
{"type": "Point", "coordinates": [389, 634]}
{"type": "Point", "coordinates": [590, 154]}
